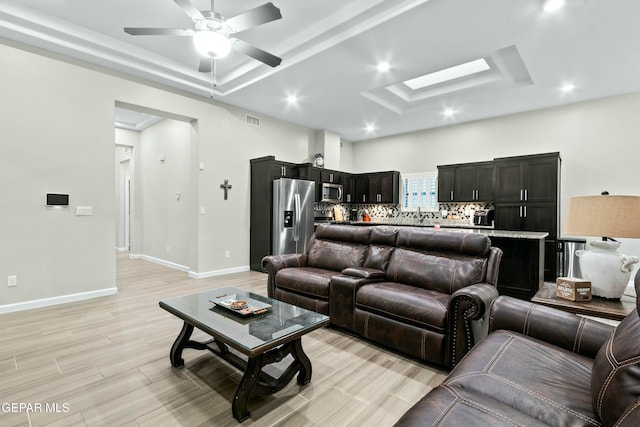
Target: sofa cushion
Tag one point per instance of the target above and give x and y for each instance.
(343, 233)
(306, 280)
(444, 241)
(510, 379)
(442, 273)
(378, 257)
(404, 303)
(615, 383)
(337, 256)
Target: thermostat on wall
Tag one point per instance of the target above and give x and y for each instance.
(57, 199)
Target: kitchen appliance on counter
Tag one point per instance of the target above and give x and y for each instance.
(322, 216)
(331, 193)
(483, 217)
(293, 215)
(353, 215)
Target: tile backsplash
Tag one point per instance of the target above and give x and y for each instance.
(381, 212)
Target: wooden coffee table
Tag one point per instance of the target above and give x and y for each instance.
(264, 338)
(597, 307)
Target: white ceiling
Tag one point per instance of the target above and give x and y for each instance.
(330, 49)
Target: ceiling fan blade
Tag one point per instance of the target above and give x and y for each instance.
(137, 31)
(256, 53)
(190, 9)
(205, 65)
(254, 17)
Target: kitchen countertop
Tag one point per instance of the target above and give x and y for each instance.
(458, 227)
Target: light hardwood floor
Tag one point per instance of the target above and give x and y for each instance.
(104, 362)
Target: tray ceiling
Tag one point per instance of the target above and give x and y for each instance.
(331, 48)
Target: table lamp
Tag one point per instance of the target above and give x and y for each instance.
(605, 216)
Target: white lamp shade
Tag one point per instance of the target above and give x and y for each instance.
(211, 44)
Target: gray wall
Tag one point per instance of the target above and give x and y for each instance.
(58, 136)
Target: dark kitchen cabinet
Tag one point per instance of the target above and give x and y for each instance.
(263, 171)
(361, 188)
(310, 173)
(384, 187)
(527, 178)
(332, 177)
(348, 188)
(527, 191)
(446, 183)
(468, 182)
(474, 183)
(527, 217)
(521, 268)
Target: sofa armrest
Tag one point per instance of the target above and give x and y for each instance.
(569, 331)
(364, 272)
(272, 263)
(466, 304)
(342, 302)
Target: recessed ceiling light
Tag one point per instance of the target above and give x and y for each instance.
(370, 127)
(568, 87)
(448, 74)
(383, 66)
(292, 99)
(553, 5)
(448, 112)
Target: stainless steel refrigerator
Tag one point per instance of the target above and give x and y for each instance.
(292, 215)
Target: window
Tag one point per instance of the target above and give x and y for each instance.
(420, 190)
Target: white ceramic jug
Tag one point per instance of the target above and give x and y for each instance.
(606, 268)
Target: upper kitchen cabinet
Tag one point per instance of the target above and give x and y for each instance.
(310, 173)
(469, 182)
(446, 183)
(384, 187)
(527, 178)
(332, 177)
(361, 188)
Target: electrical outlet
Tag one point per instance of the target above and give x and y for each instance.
(12, 281)
(84, 211)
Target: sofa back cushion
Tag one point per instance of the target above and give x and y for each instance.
(336, 247)
(442, 272)
(343, 233)
(442, 241)
(383, 240)
(615, 379)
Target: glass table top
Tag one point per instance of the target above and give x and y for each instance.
(279, 323)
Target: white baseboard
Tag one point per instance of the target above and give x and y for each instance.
(160, 261)
(125, 249)
(63, 299)
(192, 274)
(214, 273)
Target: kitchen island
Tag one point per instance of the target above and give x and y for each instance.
(522, 266)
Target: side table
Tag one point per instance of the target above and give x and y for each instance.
(597, 307)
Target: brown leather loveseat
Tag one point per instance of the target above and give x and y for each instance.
(539, 367)
(410, 288)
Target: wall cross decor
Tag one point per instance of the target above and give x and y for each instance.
(226, 187)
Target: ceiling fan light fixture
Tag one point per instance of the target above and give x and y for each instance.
(212, 44)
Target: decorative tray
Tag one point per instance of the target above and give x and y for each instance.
(241, 305)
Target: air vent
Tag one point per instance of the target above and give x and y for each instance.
(252, 120)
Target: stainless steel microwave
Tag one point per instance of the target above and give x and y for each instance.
(331, 193)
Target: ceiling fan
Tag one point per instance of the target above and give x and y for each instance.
(211, 32)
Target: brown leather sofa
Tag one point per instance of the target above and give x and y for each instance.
(410, 288)
(541, 366)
